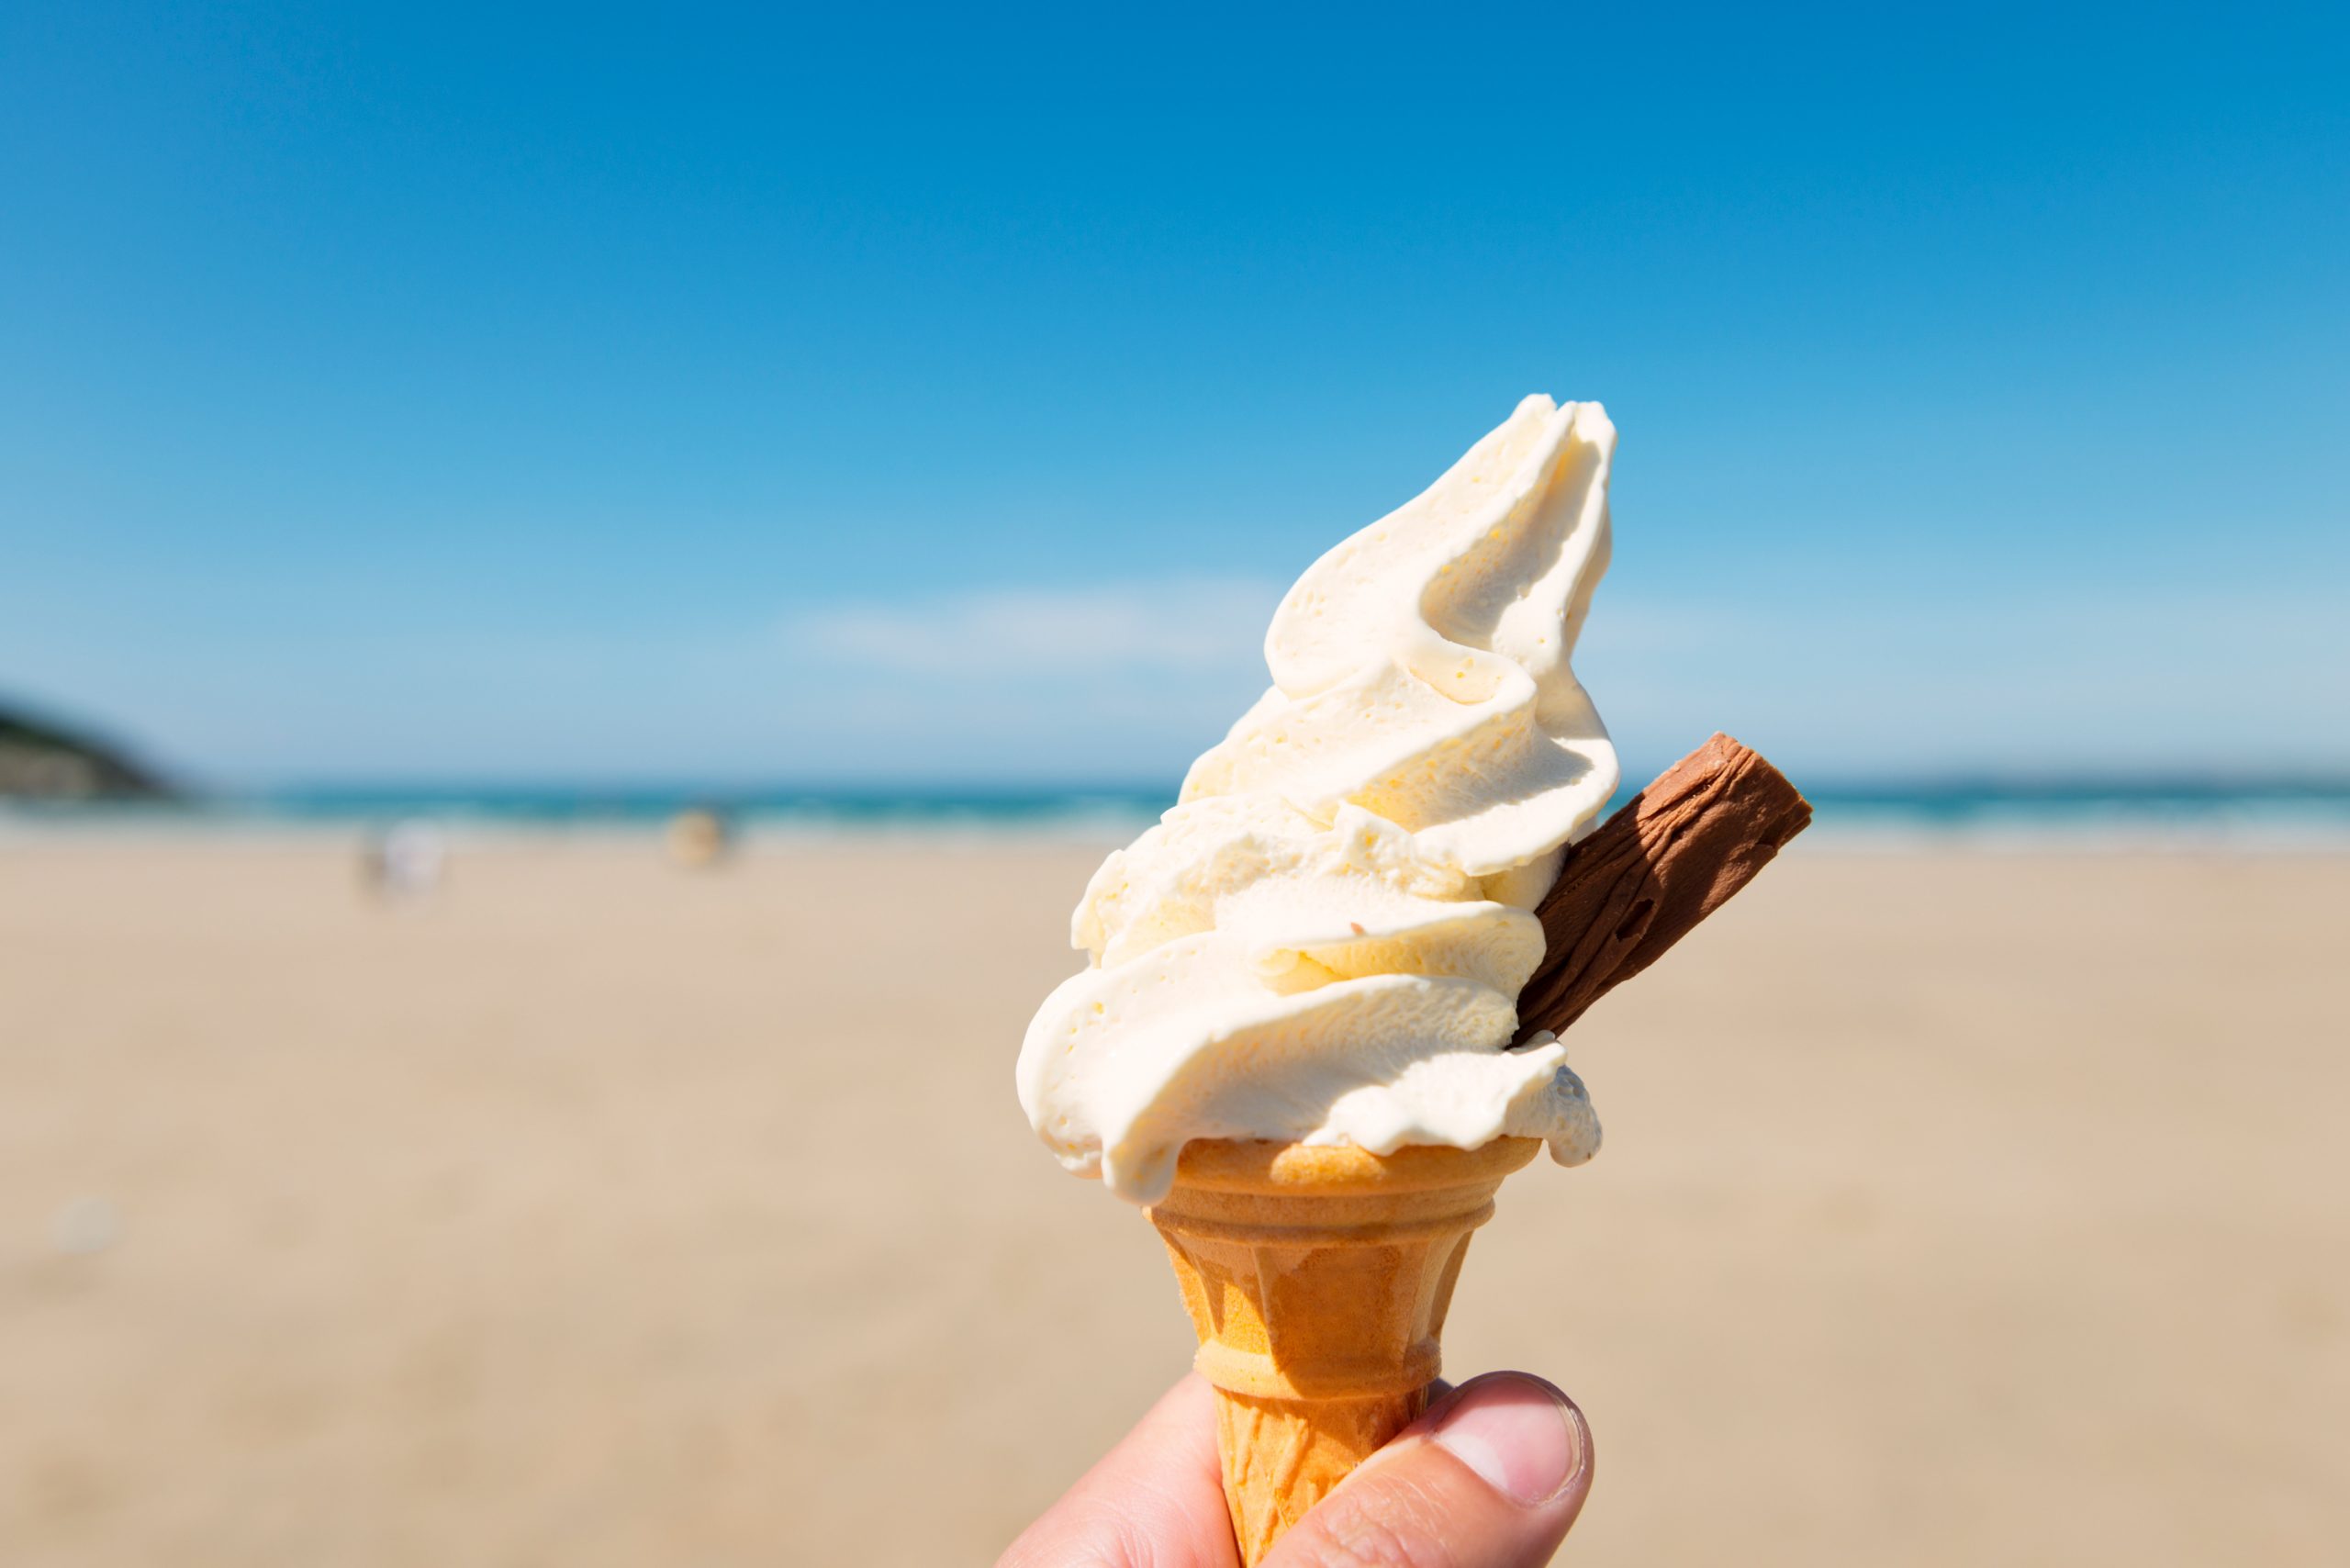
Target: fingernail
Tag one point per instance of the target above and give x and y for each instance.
(1522, 1435)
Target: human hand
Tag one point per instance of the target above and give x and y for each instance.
(1492, 1476)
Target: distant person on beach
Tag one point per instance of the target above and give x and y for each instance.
(404, 861)
(700, 837)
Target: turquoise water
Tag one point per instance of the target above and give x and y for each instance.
(2285, 811)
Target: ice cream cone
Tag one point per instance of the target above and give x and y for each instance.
(1317, 1280)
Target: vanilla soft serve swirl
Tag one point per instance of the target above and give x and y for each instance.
(1324, 942)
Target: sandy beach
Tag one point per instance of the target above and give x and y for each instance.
(1955, 1208)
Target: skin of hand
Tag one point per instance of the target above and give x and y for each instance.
(1492, 1476)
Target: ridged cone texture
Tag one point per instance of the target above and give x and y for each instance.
(1317, 1281)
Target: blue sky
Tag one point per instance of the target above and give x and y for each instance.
(473, 393)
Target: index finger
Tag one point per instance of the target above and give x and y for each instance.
(1155, 1501)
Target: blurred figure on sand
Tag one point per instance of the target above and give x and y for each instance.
(404, 862)
(700, 837)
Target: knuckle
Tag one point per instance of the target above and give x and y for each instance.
(1090, 1533)
(1393, 1525)
(1121, 1541)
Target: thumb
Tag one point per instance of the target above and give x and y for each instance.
(1491, 1477)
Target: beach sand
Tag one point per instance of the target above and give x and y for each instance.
(1954, 1209)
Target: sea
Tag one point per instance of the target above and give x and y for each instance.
(2277, 814)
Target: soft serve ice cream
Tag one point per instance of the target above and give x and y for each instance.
(1323, 941)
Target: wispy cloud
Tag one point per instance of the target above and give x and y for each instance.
(1129, 679)
(1123, 678)
(1201, 625)
(2034, 679)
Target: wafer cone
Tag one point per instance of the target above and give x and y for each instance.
(1317, 1280)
